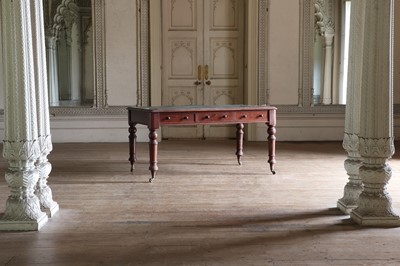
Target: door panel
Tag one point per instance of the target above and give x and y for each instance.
(182, 54)
(202, 59)
(225, 14)
(183, 14)
(223, 53)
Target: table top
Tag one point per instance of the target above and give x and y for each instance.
(202, 108)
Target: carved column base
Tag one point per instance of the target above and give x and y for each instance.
(52, 210)
(353, 188)
(374, 203)
(23, 211)
(47, 204)
(31, 225)
(349, 201)
(345, 207)
(43, 191)
(352, 191)
(384, 221)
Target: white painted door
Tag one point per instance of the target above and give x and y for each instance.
(202, 59)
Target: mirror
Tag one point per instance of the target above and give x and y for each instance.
(330, 51)
(69, 52)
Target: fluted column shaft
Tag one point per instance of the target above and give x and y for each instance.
(327, 89)
(376, 123)
(21, 146)
(52, 70)
(351, 142)
(42, 191)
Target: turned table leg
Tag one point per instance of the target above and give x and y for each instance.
(132, 144)
(153, 145)
(271, 147)
(239, 142)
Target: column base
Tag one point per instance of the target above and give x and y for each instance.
(346, 209)
(33, 225)
(52, 210)
(388, 221)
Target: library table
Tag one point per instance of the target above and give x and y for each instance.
(156, 116)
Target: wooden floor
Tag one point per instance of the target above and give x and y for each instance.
(202, 209)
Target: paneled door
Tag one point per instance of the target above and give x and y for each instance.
(202, 59)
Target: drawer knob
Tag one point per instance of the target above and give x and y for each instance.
(261, 115)
(224, 116)
(186, 118)
(168, 118)
(244, 116)
(207, 117)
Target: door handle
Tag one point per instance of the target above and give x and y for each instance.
(199, 72)
(206, 72)
(198, 82)
(208, 82)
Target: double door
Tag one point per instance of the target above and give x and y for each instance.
(202, 59)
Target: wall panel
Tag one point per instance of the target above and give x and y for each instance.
(121, 56)
(283, 52)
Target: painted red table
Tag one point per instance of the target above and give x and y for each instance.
(154, 117)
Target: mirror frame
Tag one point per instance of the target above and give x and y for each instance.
(100, 104)
(306, 68)
(100, 91)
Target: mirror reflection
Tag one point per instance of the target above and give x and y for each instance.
(69, 52)
(330, 50)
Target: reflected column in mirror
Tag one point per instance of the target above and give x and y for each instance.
(69, 46)
(330, 51)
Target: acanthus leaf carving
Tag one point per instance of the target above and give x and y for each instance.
(21, 151)
(376, 147)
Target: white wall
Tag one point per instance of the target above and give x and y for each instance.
(121, 70)
(93, 129)
(283, 51)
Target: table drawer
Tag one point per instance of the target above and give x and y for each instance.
(252, 116)
(177, 118)
(215, 117)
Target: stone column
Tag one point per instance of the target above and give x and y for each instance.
(351, 141)
(43, 191)
(327, 90)
(21, 147)
(376, 124)
(52, 70)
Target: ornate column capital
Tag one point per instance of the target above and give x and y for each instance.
(21, 154)
(351, 143)
(373, 149)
